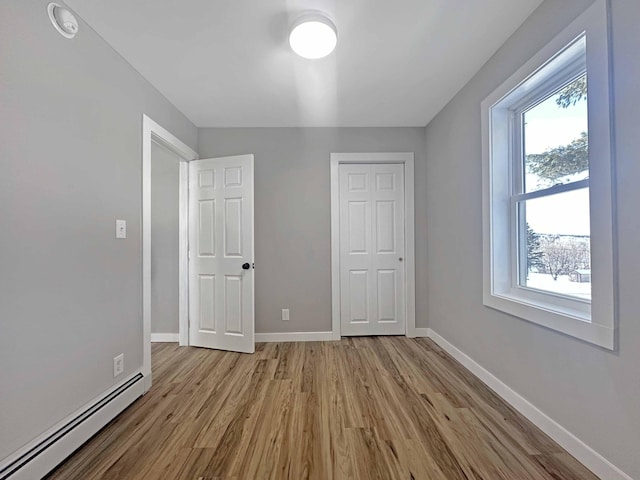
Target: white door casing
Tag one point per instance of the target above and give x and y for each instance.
(372, 249)
(153, 132)
(221, 246)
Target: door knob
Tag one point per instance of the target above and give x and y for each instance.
(246, 266)
(400, 259)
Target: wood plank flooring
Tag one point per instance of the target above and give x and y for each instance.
(360, 408)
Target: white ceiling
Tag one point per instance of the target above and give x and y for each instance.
(227, 63)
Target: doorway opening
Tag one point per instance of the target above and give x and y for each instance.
(168, 240)
(215, 247)
(152, 133)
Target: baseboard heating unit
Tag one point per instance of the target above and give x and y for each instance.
(44, 454)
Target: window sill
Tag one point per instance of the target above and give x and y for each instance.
(573, 323)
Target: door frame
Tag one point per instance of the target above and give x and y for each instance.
(153, 132)
(405, 158)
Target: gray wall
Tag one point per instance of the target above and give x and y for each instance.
(293, 213)
(592, 392)
(70, 157)
(165, 188)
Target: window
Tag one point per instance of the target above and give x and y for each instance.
(548, 237)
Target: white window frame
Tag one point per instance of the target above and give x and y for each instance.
(593, 321)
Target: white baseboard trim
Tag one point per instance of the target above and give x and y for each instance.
(572, 444)
(420, 332)
(165, 337)
(43, 454)
(295, 337)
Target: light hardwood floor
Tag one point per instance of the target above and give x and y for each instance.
(379, 408)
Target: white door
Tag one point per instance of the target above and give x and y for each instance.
(372, 269)
(221, 277)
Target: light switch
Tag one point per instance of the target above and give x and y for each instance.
(121, 229)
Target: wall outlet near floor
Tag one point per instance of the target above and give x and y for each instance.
(285, 314)
(118, 365)
(121, 229)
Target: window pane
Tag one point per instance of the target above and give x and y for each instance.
(555, 138)
(555, 243)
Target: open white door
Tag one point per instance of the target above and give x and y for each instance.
(221, 277)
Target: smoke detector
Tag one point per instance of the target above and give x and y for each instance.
(63, 20)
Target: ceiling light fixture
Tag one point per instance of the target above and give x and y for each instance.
(63, 20)
(313, 35)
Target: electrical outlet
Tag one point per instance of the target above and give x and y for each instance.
(121, 229)
(285, 314)
(118, 365)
